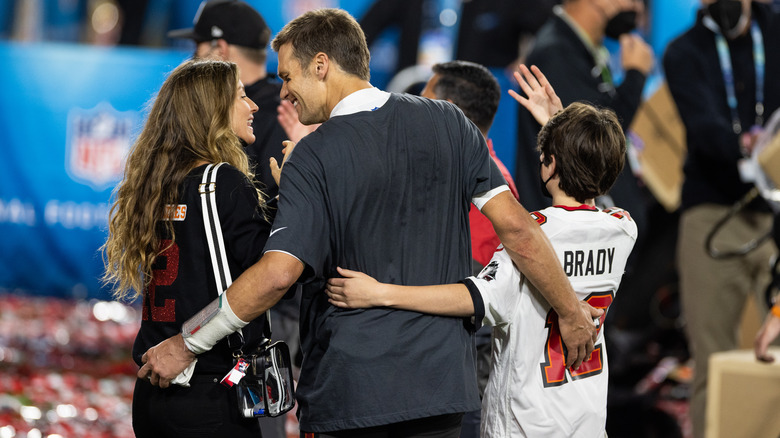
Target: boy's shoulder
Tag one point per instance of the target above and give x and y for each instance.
(557, 219)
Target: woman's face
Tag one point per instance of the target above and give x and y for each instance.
(241, 117)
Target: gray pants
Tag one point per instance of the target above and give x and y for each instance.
(713, 292)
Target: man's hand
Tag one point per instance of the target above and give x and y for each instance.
(165, 361)
(636, 54)
(748, 140)
(355, 291)
(768, 333)
(276, 169)
(579, 333)
(288, 118)
(542, 102)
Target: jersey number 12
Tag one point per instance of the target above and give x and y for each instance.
(162, 277)
(554, 368)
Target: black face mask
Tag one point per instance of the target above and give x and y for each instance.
(623, 22)
(726, 13)
(543, 183)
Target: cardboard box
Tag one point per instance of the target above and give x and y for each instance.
(743, 396)
(662, 149)
(769, 160)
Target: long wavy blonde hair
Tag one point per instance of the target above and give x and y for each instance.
(188, 123)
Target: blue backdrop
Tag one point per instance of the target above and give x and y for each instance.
(69, 113)
(67, 117)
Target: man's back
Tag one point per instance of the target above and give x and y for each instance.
(385, 192)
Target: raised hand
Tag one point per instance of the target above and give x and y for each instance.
(288, 118)
(636, 54)
(542, 102)
(276, 169)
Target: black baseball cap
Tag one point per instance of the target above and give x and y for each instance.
(231, 20)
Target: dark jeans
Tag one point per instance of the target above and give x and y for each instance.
(205, 409)
(442, 426)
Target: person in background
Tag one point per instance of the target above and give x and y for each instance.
(231, 30)
(570, 50)
(720, 76)
(476, 92)
(473, 89)
(384, 186)
(157, 245)
(492, 33)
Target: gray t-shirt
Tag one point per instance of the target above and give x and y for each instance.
(385, 192)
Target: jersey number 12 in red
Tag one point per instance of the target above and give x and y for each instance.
(554, 368)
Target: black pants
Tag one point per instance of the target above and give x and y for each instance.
(442, 426)
(205, 409)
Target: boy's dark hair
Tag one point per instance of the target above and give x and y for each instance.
(589, 149)
(471, 87)
(331, 31)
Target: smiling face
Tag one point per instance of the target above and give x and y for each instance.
(241, 116)
(302, 87)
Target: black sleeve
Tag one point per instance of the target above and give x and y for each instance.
(567, 72)
(696, 104)
(243, 226)
(479, 305)
(404, 14)
(481, 172)
(379, 16)
(628, 97)
(302, 226)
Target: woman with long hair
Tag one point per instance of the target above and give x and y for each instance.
(157, 247)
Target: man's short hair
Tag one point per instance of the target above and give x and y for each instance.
(331, 31)
(589, 149)
(471, 87)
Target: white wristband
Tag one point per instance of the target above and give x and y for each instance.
(210, 325)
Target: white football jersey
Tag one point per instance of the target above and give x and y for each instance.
(530, 393)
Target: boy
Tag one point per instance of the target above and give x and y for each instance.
(531, 391)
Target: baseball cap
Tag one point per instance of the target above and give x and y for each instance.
(231, 20)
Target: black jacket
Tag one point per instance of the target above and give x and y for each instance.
(696, 82)
(569, 66)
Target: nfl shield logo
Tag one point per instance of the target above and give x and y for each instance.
(97, 144)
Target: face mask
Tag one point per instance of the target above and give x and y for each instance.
(543, 183)
(728, 15)
(623, 22)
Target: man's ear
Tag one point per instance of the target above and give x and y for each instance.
(321, 65)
